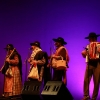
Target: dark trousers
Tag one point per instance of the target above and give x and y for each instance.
(95, 72)
(57, 75)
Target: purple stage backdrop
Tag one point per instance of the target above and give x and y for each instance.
(24, 21)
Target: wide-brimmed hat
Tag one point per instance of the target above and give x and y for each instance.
(9, 47)
(92, 35)
(61, 40)
(36, 43)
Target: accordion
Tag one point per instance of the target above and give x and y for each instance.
(93, 53)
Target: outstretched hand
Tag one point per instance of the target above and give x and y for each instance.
(84, 53)
(65, 81)
(0, 70)
(8, 60)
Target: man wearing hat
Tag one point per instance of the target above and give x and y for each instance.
(12, 80)
(39, 59)
(92, 55)
(61, 51)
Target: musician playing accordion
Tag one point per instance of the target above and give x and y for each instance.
(92, 55)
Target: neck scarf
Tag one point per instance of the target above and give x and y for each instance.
(35, 52)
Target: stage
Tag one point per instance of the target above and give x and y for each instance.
(19, 97)
(29, 97)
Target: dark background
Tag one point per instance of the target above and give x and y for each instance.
(24, 21)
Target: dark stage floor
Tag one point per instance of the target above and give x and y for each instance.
(31, 98)
(11, 98)
(20, 98)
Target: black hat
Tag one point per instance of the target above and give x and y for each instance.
(92, 35)
(60, 39)
(9, 47)
(36, 43)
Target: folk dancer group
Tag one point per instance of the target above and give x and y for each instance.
(39, 59)
(41, 63)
